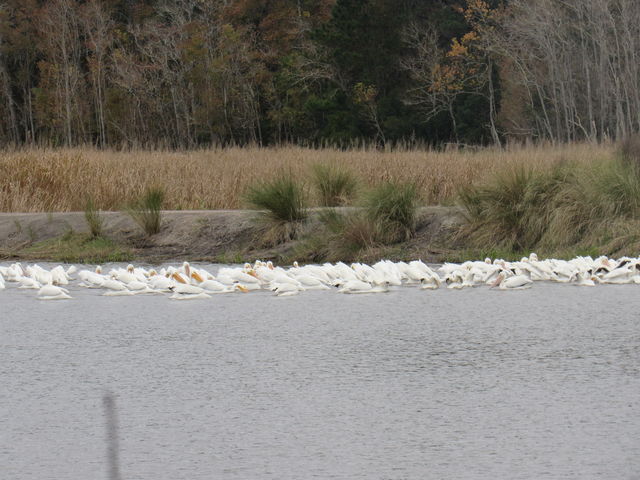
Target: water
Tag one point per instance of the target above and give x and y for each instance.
(473, 384)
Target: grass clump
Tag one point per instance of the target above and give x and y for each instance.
(282, 202)
(512, 211)
(629, 151)
(388, 217)
(392, 207)
(93, 218)
(147, 211)
(569, 207)
(334, 185)
(77, 248)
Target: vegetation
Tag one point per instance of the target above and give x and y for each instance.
(40, 180)
(77, 248)
(567, 207)
(188, 74)
(392, 205)
(334, 184)
(282, 201)
(147, 210)
(387, 218)
(93, 218)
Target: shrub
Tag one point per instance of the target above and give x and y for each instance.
(346, 235)
(335, 186)
(513, 210)
(147, 211)
(567, 206)
(93, 218)
(392, 206)
(282, 202)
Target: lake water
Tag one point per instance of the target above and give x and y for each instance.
(473, 384)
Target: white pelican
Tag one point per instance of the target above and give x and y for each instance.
(286, 290)
(51, 292)
(515, 282)
(189, 296)
(186, 289)
(358, 286)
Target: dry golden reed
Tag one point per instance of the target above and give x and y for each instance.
(37, 180)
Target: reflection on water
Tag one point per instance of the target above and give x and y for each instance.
(413, 384)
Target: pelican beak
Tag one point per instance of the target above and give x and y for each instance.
(178, 278)
(252, 273)
(497, 282)
(242, 288)
(197, 277)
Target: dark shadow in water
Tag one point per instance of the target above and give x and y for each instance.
(111, 416)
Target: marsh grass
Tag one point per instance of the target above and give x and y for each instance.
(392, 207)
(93, 218)
(629, 151)
(335, 185)
(77, 248)
(281, 201)
(387, 217)
(147, 210)
(567, 207)
(41, 180)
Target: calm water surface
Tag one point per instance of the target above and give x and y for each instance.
(473, 384)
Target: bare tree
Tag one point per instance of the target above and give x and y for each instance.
(98, 27)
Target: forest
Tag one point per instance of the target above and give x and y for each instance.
(183, 74)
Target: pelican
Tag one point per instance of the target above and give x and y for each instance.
(515, 282)
(186, 289)
(189, 296)
(286, 290)
(358, 286)
(51, 292)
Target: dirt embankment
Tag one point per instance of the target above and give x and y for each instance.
(204, 235)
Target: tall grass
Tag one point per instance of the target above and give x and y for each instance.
(335, 185)
(569, 205)
(93, 218)
(60, 180)
(147, 210)
(282, 202)
(388, 217)
(393, 206)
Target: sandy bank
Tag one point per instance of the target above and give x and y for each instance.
(206, 235)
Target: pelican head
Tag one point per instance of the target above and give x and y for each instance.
(178, 278)
(98, 269)
(187, 269)
(500, 278)
(130, 268)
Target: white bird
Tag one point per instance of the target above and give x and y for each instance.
(186, 289)
(286, 290)
(189, 296)
(515, 282)
(358, 286)
(51, 292)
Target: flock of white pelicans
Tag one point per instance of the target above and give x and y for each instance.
(189, 282)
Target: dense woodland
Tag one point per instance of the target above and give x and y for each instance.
(190, 73)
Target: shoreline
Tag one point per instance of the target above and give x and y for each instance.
(219, 236)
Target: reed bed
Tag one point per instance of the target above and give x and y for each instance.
(37, 180)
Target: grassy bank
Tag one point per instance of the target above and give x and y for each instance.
(559, 201)
(572, 206)
(62, 180)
